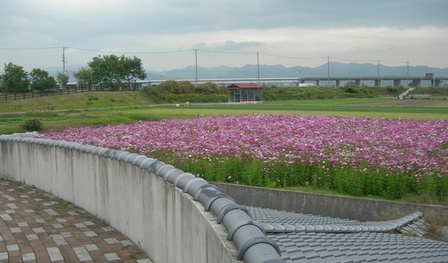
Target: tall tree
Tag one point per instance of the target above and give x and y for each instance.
(104, 71)
(62, 79)
(15, 78)
(41, 80)
(84, 77)
(112, 71)
(133, 68)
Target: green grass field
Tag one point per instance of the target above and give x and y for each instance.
(100, 108)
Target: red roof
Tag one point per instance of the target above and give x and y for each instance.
(245, 86)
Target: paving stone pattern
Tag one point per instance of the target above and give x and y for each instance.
(37, 227)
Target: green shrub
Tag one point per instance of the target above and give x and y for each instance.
(358, 180)
(32, 125)
(172, 91)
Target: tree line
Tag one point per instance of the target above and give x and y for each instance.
(110, 71)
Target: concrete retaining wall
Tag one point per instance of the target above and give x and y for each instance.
(328, 205)
(167, 223)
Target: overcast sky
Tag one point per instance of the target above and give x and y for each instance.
(166, 33)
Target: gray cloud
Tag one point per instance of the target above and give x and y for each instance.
(229, 46)
(289, 27)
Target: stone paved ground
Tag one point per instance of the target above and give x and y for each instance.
(37, 227)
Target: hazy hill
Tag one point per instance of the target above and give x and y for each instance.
(279, 71)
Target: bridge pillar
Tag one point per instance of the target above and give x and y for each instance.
(378, 83)
(417, 83)
(358, 82)
(397, 82)
(338, 82)
(438, 83)
(318, 82)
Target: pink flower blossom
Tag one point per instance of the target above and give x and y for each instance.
(417, 147)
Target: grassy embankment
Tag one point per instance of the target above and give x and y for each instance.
(99, 108)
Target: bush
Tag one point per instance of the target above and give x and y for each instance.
(354, 181)
(32, 125)
(274, 93)
(172, 91)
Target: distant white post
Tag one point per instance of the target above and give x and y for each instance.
(407, 73)
(258, 67)
(328, 71)
(196, 65)
(379, 81)
(63, 60)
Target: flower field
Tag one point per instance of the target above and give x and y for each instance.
(359, 156)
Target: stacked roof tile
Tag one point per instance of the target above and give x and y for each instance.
(314, 238)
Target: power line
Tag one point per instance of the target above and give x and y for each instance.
(290, 57)
(226, 52)
(131, 52)
(352, 60)
(30, 48)
(195, 50)
(394, 62)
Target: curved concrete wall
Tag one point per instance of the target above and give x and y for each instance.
(327, 205)
(173, 216)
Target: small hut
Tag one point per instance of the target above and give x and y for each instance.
(245, 93)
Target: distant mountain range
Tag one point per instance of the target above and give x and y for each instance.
(336, 69)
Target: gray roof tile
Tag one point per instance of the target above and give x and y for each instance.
(357, 247)
(313, 238)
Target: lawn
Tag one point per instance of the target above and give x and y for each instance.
(99, 108)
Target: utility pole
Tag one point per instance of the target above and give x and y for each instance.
(196, 63)
(258, 67)
(407, 73)
(64, 60)
(328, 71)
(379, 81)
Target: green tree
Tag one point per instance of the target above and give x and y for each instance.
(84, 77)
(15, 79)
(62, 79)
(100, 73)
(41, 80)
(111, 71)
(133, 68)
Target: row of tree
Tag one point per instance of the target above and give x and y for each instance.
(16, 79)
(109, 71)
